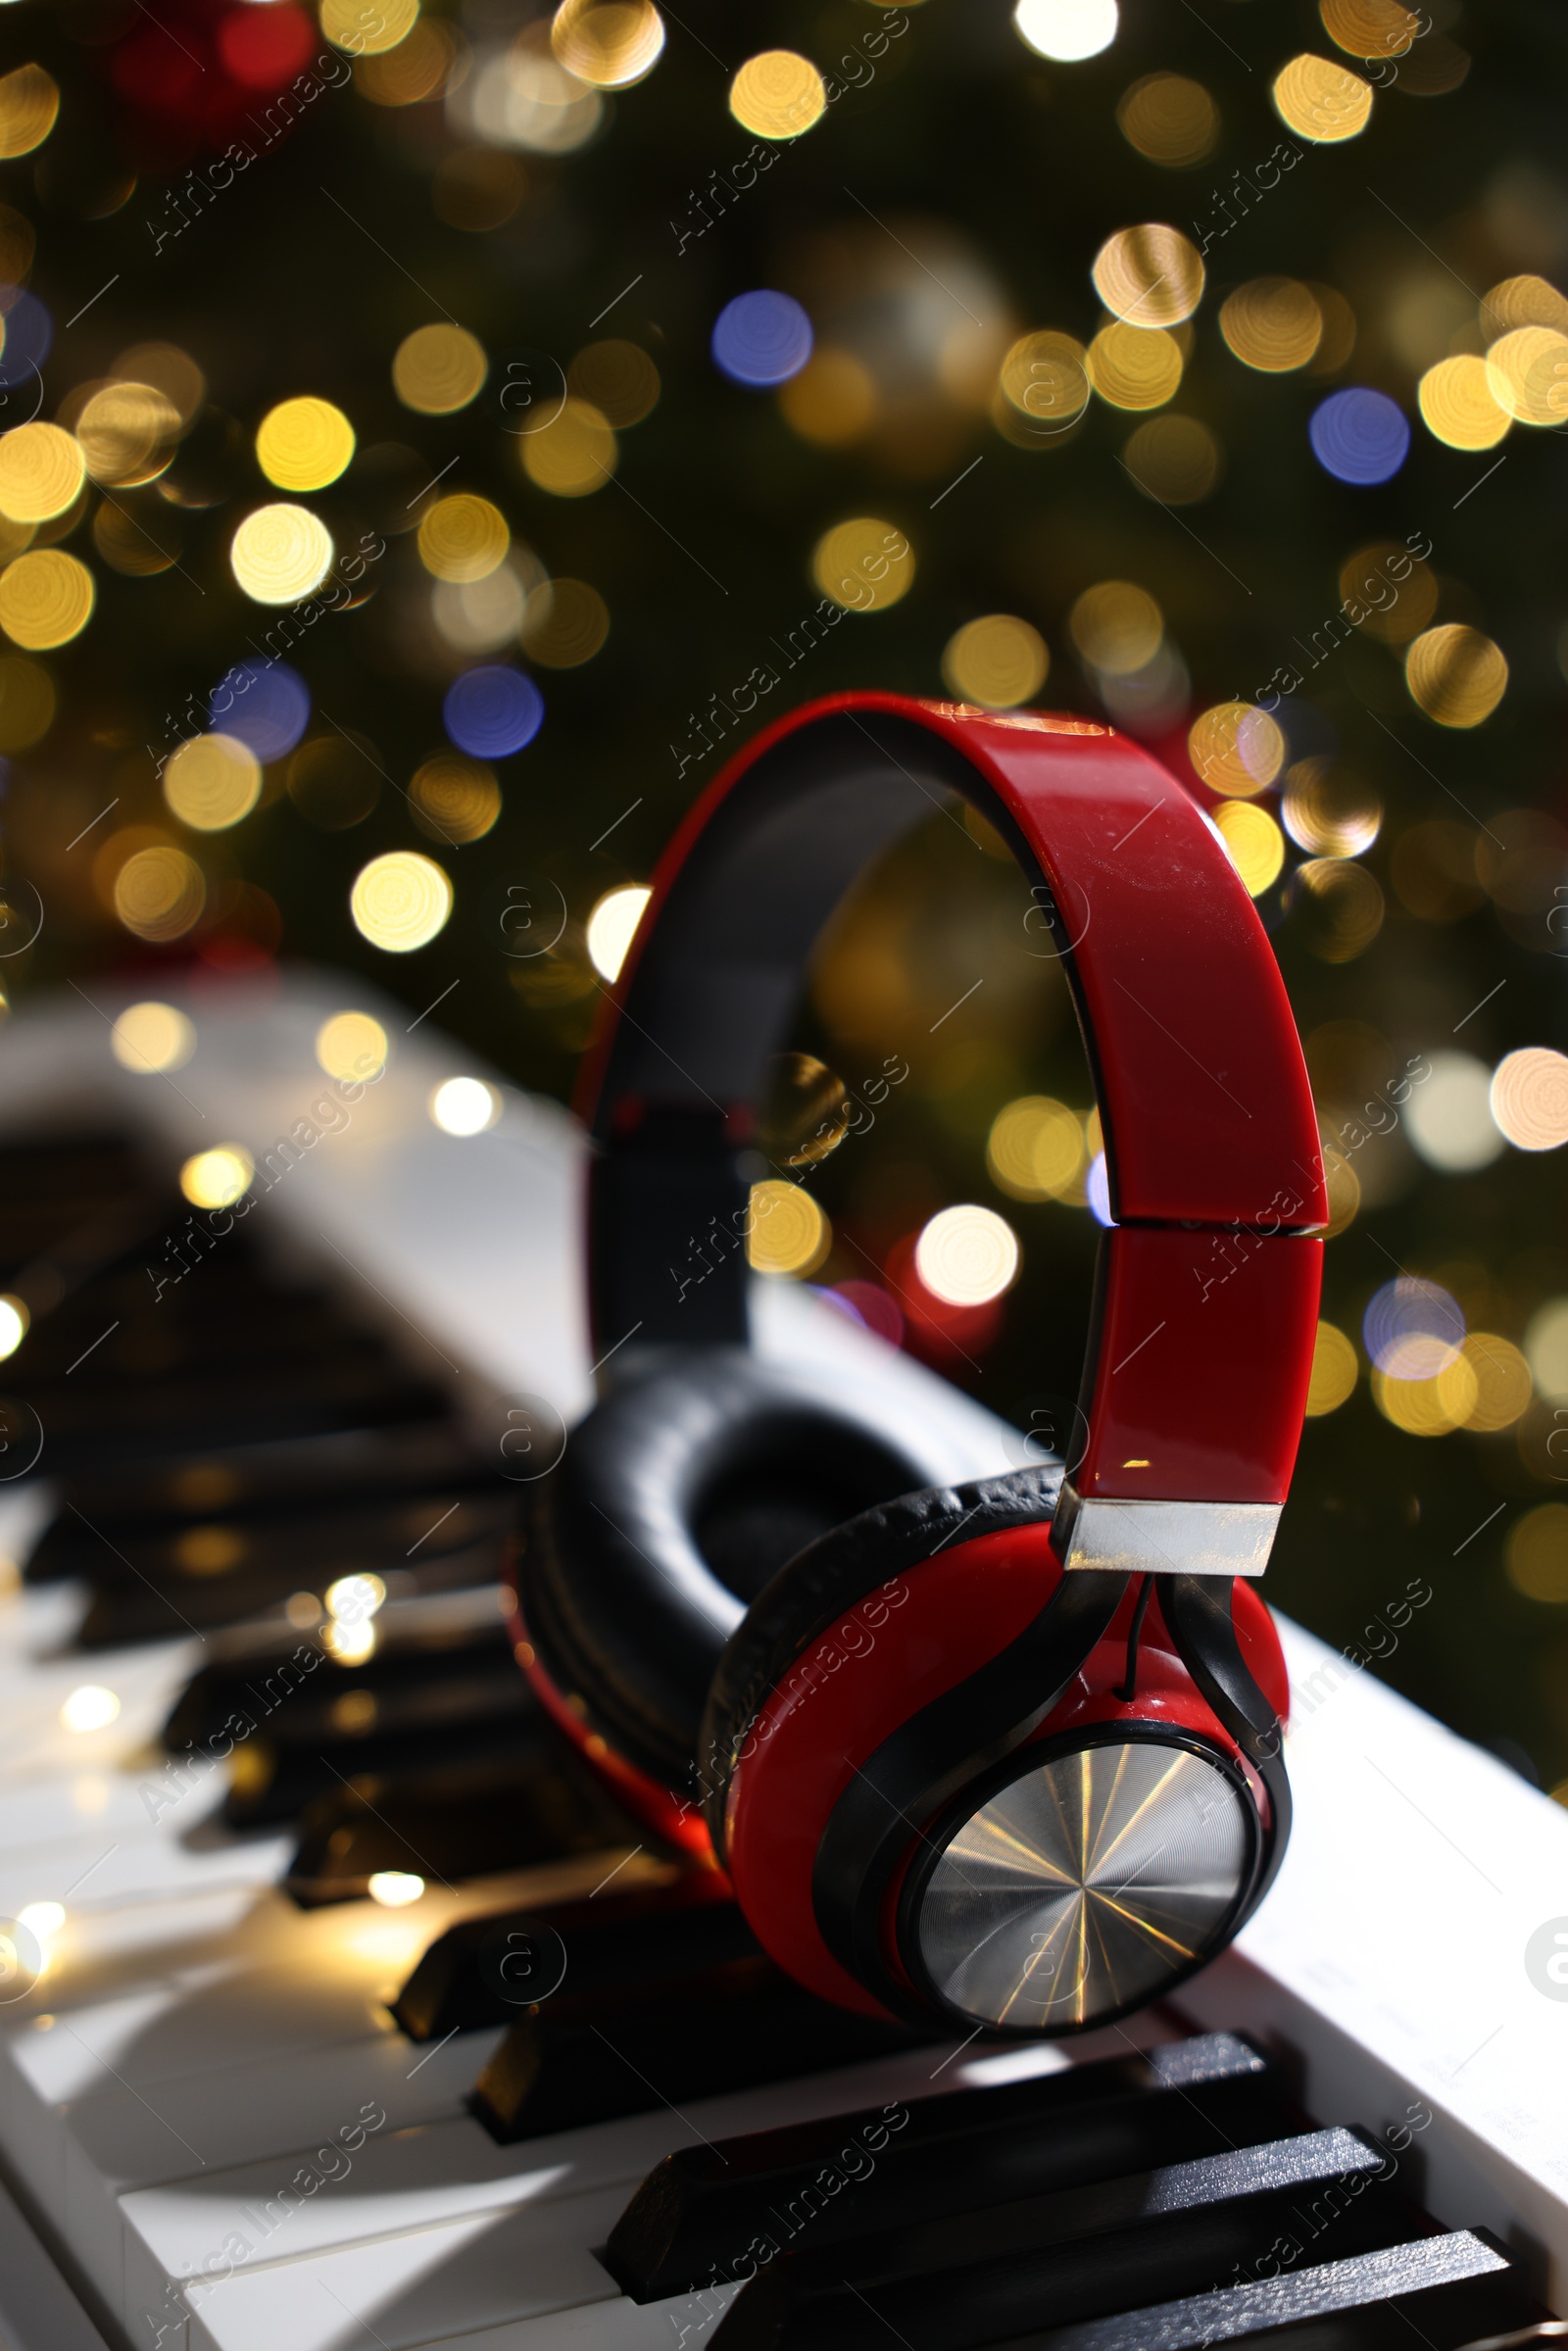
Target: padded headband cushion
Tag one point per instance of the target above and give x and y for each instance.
(841, 1567)
(676, 1502)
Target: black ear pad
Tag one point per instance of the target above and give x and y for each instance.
(822, 1585)
(676, 1500)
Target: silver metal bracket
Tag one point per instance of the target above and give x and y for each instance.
(1135, 1538)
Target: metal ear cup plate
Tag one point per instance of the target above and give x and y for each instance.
(1085, 1884)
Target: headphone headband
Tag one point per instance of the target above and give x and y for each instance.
(1206, 1300)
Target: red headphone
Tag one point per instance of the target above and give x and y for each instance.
(1008, 1752)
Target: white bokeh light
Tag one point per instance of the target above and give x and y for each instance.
(1066, 30)
(1449, 1115)
(612, 924)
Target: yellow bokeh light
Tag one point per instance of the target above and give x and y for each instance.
(26, 702)
(1427, 1408)
(832, 400)
(1530, 1099)
(865, 564)
(612, 925)
(617, 378)
(1175, 459)
(777, 94)
(1236, 749)
(352, 1046)
(1454, 674)
(1255, 841)
(1502, 1383)
(439, 370)
(1117, 626)
(1527, 374)
(967, 1255)
(1458, 405)
(216, 1178)
(29, 101)
(1272, 323)
(574, 455)
(1345, 906)
(1133, 366)
(91, 1707)
(168, 369)
(46, 597)
(368, 28)
(454, 798)
(1334, 1374)
(1169, 119)
(212, 782)
(44, 1919)
(464, 1106)
(353, 1599)
(400, 901)
(1537, 1554)
(127, 433)
(609, 43)
(1393, 598)
(160, 893)
(1320, 100)
(152, 1036)
(1370, 27)
(351, 1640)
(421, 67)
(997, 661)
(1328, 812)
(304, 444)
(395, 1890)
(1036, 1148)
(1045, 376)
(42, 473)
(1150, 277)
(14, 1321)
(464, 538)
(280, 553)
(1523, 302)
(786, 1232)
(565, 622)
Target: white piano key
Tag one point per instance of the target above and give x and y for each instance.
(414, 2288)
(116, 2139)
(38, 2311)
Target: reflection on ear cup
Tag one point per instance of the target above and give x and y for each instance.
(843, 1566)
(676, 1502)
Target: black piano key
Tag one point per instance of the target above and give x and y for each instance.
(614, 1944)
(1446, 2291)
(285, 1672)
(254, 1482)
(471, 1821)
(978, 2276)
(946, 2154)
(172, 1420)
(579, 2058)
(273, 1782)
(222, 1573)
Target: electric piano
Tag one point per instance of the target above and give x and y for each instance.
(337, 2009)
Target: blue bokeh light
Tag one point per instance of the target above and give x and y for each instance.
(264, 705)
(1360, 436)
(1413, 1328)
(492, 711)
(762, 339)
(29, 334)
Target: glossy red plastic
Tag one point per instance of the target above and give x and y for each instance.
(1202, 1091)
(1203, 1349)
(938, 1624)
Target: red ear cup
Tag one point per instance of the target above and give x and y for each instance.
(1112, 1851)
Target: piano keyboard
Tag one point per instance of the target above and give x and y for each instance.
(557, 2098)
